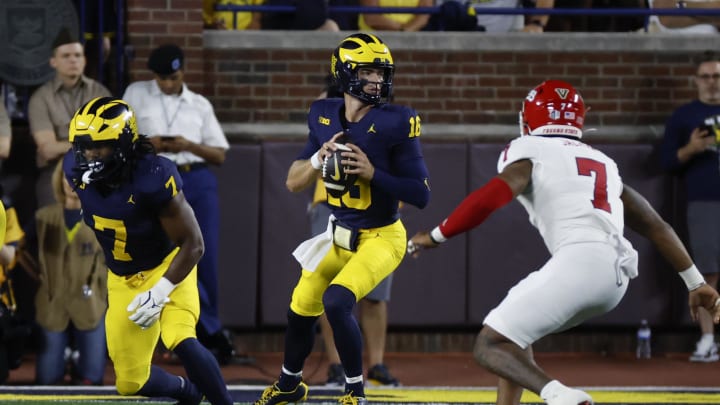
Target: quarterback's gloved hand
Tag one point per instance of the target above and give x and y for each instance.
(148, 305)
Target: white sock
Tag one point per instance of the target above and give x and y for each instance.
(353, 380)
(552, 389)
(708, 337)
(290, 373)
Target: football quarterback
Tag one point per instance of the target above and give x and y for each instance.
(365, 242)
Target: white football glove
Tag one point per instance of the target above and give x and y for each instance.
(148, 305)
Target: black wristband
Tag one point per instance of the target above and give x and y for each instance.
(433, 239)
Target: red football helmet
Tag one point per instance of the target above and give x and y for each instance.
(553, 108)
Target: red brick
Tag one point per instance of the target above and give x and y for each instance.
(498, 57)
(463, 57)
(148, 28)
(190, 27)
(532, 57)
(147, 4)
(618, 70)
(649, 70)
(169, 15)
(184, 4)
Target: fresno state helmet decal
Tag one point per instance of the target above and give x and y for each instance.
(563, 93)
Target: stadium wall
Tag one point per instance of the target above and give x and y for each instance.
(467, 88)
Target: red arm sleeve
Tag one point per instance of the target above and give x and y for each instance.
(477, 206)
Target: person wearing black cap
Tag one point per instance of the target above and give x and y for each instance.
(54, 103)
(183, 127)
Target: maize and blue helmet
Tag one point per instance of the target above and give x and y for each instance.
(103, 121)
(357, 51)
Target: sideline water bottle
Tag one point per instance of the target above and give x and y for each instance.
(643, 340)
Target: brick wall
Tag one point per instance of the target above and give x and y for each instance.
(151, 23)
(457, 87)
(450, 78)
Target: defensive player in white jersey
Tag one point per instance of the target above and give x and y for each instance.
(575, 197)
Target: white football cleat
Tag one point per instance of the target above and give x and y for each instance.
(571, 397)
(706, 351)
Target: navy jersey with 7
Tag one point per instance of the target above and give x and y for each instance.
(132, 239)
(389, 136)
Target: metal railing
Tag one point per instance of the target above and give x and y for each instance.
(118, 37)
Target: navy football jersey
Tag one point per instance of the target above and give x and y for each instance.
(389, 136)
(126, 221)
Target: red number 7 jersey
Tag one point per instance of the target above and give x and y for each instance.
(574, 191)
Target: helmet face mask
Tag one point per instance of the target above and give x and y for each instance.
(102, 134)
(553, 108)
(99, 160)
(363, 51)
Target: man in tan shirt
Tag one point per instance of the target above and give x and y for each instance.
(54, 103)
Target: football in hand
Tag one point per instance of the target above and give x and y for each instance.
(334, 175)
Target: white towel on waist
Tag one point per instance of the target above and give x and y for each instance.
(310, 252)
(627, 255)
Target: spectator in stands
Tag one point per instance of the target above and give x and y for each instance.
(5, 132)
(617, 23)
(72, 295)
(698, 24)
(231, 20)
(498, 23)
(182, 126)
(309, 15)
(596, 23)
(453, 16)
(690, 150)
(394, 21)
(345, 21)
(53, 104)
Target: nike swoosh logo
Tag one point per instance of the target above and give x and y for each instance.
(336, 174)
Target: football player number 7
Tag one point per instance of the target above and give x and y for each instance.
(117, 226)
(586, 167)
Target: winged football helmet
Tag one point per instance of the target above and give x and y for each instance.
(103, 122)
(362, 50)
